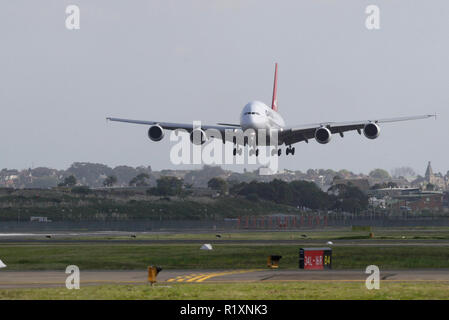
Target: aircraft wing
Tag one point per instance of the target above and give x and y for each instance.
(294, 134)
(173, 126)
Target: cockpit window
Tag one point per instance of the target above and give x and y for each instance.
(253, 113)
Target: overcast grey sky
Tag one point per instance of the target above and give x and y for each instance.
(204, 60)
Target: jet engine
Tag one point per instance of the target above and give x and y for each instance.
(156, 133)
(198, 137)
(371, 130)
(323, 135)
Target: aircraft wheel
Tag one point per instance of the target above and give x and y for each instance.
(293, 151)
(279, 152)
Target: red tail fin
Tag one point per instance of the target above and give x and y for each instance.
(274, 102)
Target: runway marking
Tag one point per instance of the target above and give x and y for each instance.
(183, 277)
(330, 280)
(195, 277)
(321, 281)
(225, 273)
(203, 277)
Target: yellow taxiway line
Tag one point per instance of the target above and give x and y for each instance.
(204, 276)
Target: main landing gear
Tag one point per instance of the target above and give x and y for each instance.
(253, 151)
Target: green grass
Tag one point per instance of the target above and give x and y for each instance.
(345, 233)
(234, 291)
(224, 256)
(58, 205)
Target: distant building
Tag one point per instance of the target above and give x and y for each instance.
(430, 178)
(393, 192)
(407, 199)
(446, 199)
(39, 219)
(431, 200)
(377, 203)
(362, 184)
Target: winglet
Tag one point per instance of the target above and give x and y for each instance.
(274, 102)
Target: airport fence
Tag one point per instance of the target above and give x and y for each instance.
(307, 221)
(273, 222)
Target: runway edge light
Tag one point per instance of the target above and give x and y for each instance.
(152, 273)
(273, 261)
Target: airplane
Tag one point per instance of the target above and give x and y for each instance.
(257, 115)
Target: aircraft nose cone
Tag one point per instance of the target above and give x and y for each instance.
(254, 122)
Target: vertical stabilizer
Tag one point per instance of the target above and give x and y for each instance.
(274, 102)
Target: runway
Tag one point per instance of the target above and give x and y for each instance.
(38, 279)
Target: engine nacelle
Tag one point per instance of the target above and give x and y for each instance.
(323, 135)
(198, 137)
(371, 130)
(156, 133)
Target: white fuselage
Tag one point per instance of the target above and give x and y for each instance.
(257, 115)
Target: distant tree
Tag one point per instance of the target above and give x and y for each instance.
(141, 180)
(89, 173)
(405, 172)
(391, 184)
(167, 186)
(124, 174)
(311, 173)
(345, 173)
(379, 174)
(110, 181)
(384, 185)
(296, 193)
(350, 199)
(43, 182)
(252, 197)
(336, 178)
(200, 178)
(218, 184)
(69, 181)
(83, 190)
(430, 187)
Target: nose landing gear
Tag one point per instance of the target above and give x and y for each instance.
(290, 150)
